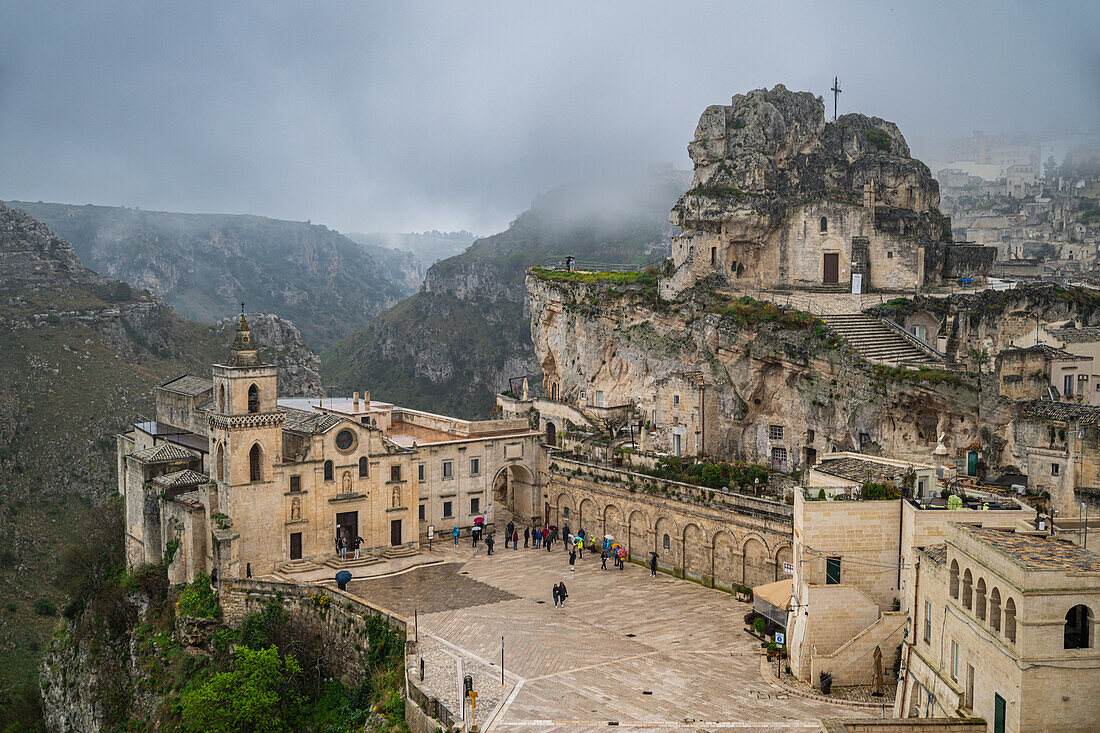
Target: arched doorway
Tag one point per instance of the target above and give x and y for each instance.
(515, 495)
(551, 434)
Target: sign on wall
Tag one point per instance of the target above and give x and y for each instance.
(788, 568)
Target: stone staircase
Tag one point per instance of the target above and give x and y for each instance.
(393, 552)
(298, 566)
(351, 562)
(878, 342)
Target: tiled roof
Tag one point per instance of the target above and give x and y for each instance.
(188, 385)
(1061, 412)
(309, 423)
(1036, 553)
(191, 498)
(936, 553)
(1076, 335)
(163, 452)
(1048, 352)
(179, 479)
(860, 470)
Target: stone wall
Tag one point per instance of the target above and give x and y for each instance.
(340, 620)
(722, 542)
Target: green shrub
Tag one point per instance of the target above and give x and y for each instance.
(758, 624)
(198, 599)
(45, 607)
(258, 693)
(878, 138)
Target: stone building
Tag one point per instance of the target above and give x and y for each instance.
(1003, 627)
(230, 480)
(782, 199)
(1042, 372)
(850, 554)
(718, 538)
(1057, 445)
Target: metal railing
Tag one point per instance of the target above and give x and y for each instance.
(572, 264)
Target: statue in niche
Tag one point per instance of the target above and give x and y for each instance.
(295, 509)
(396, 497)
(347, 482)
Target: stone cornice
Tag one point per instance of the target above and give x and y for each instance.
(247, 422)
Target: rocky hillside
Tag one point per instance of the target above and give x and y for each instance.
(771, 149)
(204, 264)
(454, 345)
(79, 355)
(428, 247)
(761, 364)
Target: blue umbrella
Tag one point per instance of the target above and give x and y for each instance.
(342, 579)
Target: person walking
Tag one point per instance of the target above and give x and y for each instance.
(511, 529)
(565, 536)
(358, 541)
(557, 595)
(653, 564)
(580, 547)
(489, 542)
(572, 560)
(526, 536)
(454, 533)
(515, 539)
(603, 560)
(622, 559)
(562, 594)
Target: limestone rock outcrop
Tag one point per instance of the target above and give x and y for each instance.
(771, 149)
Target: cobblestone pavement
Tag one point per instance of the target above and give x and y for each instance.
(657, 654)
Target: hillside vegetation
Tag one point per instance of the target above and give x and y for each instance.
(79, 356)
(205, 264)
(454, 345)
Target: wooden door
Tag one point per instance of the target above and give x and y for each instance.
(296, 546)
(395, 532)
(832, 268)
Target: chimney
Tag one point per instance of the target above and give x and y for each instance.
(355, 402)
(366, 400)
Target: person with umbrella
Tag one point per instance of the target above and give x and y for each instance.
(358, 541)
(653, 564)
(342, 579)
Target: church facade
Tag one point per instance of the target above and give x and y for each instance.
(231, 480)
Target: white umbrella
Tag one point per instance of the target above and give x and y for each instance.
(608, 537)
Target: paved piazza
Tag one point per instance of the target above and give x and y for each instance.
(657, 654)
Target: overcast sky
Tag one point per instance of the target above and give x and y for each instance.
(397, 116)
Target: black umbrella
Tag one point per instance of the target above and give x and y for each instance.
(342, 579)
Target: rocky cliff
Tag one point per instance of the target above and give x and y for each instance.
(454, 345)
(79, 355)
(204, 264)
(771, 149)
(761, 365)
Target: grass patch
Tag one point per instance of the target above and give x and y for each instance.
(878, 138)
(747, 311)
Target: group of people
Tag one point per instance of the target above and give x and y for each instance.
(343, 543)
(546, 536)
(560, 594)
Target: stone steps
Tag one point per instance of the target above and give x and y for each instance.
(363, 561)
(394, 552)
(876, 341)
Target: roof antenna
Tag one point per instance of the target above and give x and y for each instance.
(242, 302)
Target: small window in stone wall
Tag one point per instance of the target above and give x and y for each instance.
(666, 542)
(775, 432)
(889, 255)
(295, 483)
(823, 225)
(420, 472)
(1054, 469)
(395, 473)
(475, 505)
(421, 512)
(447, 509)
